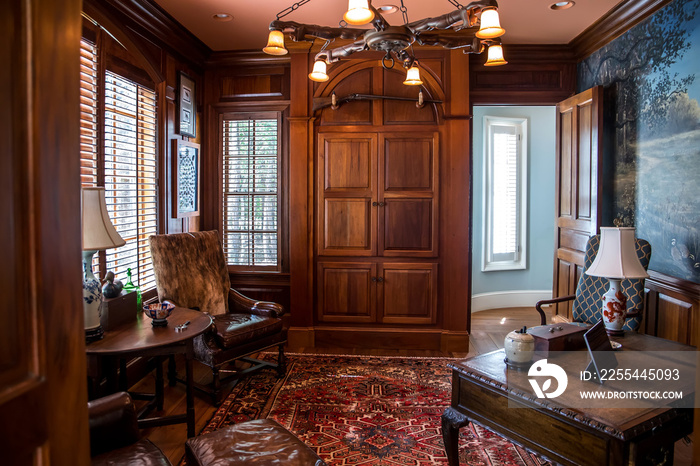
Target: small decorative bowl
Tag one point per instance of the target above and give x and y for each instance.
(159, 312)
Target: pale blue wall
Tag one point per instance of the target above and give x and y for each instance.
(541, 159)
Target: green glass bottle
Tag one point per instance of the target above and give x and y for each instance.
(129, 287)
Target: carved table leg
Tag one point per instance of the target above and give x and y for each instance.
(452, 421)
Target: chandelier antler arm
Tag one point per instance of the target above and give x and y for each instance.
(334, 55)
(299, 31)
(466, 15)
(379, 23)
(469, 42)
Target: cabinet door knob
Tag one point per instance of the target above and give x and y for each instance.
(380, 279)
(375, 204)
(381, 204)
(374, 279)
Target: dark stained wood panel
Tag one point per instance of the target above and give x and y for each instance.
(587, 162)
(349, 163)
(408, 293)
(408, 164)
(565, 163)
(351, 113)
(347, 226)
(407, 225)
(270, 82)
(347, 292)
(672, 308)
(400, 112)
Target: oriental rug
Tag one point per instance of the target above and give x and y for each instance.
(361, 410)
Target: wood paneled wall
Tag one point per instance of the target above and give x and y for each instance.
(161, 48)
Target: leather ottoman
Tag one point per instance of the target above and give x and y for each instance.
(261, 442)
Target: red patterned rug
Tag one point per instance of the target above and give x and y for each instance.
(365, 411)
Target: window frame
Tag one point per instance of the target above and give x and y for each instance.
(278, 112)
(98, 40)
(519, 262)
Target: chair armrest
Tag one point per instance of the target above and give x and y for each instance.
(240, 303)
(560, 299)
(113, 423)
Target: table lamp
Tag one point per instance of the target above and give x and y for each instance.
(616, 260)
(98, 234)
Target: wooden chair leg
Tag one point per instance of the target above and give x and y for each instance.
(172, 371)
(215, 385)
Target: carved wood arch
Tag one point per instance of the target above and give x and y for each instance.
(375, 79)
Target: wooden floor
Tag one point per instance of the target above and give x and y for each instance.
(489, 329)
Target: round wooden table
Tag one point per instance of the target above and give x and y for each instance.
(140, 338)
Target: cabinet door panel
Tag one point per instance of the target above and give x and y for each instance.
(348, 227)
(346, 292)
(408, 163)
(408, 293)
(348, 164)
(408, 227)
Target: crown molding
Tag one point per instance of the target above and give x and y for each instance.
(616, 22)
(147, 19)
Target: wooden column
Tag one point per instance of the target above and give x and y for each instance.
(300, 205)
(455, 195)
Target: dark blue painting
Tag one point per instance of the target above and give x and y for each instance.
(652, 133)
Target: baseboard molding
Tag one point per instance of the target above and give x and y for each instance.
(501, 299)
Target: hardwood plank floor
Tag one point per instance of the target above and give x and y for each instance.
(489, 329)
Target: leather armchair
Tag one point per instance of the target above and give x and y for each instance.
(114, 434)
(590, 290)
(190, 271)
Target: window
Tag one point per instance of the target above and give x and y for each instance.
(251, 196)
(505, 200)
(118, 150)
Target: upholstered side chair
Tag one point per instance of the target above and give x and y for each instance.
(590, 290)
(190, 271)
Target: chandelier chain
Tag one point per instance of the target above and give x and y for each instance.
(456, 4)
(404, 12)
(292, 8)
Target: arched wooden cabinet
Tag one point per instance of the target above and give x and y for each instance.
(377, 207)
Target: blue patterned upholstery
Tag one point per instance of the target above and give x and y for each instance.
(590, 290)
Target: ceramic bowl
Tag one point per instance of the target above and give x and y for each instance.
(159, 312)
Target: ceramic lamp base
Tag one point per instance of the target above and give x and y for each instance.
(614, 308)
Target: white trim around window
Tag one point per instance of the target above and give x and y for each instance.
(505, 194)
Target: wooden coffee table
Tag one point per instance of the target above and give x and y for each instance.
(140, 338)
(485, 391)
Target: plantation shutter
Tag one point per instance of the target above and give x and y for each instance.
(251, 191)
(130, 175)
(88, 113)
(505, 193)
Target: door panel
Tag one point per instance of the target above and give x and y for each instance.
(347, 184)
(407, 227)
(578, 188)
(408, 194)
(347, 292)
(408, 293)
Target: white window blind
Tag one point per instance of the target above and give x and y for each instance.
(505, 180)
(251, 191)
(88, 113)
(130, 175)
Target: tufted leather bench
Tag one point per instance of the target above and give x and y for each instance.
(262, 442)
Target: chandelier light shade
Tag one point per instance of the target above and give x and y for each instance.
(495, 56)
(490, 25)
(275, 44)
(616, 260)
(358, 13)
(471, 28)
(413, 77)
(319, 72)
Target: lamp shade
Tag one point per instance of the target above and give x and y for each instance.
(358, 12)
(98, 231)
(413, 77)
(617, 255)
(275, 43)
(490, 25)
(495, 56)
(318, 74)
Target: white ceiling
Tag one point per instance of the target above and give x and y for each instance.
(525, 21)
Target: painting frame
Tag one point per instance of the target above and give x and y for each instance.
(186, 159)
(187, 100)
